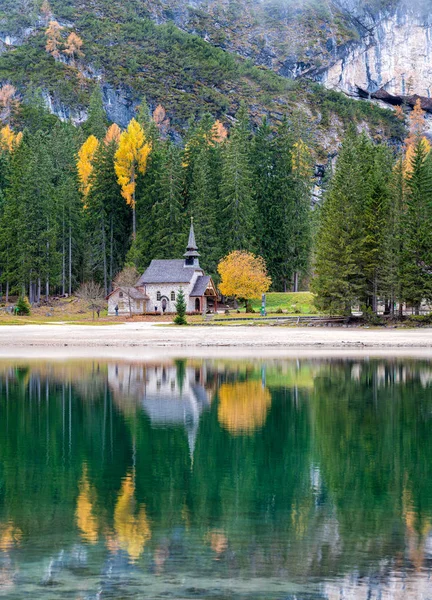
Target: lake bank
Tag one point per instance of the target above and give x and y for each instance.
(144, 340)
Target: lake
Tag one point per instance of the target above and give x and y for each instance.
(216, 479)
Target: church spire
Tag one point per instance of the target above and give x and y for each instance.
(191, 255)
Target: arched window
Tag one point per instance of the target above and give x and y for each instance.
(173, 296)
(120, 294)
(158, 295)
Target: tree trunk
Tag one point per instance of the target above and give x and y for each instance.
(7, 290)
(38, 290)
(296, 281)
(70, 259)
(64, 269)
(133, 206)
(111, 267)
(105, 274)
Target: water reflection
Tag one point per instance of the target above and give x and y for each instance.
(216, 479)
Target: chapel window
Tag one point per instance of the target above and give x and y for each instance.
(158, 295)
(173, 296)
(120, 294)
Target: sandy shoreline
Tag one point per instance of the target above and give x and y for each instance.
(140, 341)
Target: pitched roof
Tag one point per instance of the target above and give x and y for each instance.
(167, 271)
(130, 291)
(200, 286)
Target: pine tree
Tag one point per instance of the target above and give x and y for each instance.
(391, 273)
(180, 318)
(417, 248)
(22, 307)
(168, 215)
(68, 212)
(202, 162)
(339, 280)
(377, 164)
(237, 192)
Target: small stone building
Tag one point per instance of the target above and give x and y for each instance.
(127, 299)
(163, 279)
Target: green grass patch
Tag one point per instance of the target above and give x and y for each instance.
(291, 303)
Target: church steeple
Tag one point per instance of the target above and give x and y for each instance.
(191, 255)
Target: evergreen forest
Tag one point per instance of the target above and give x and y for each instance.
(80, 203)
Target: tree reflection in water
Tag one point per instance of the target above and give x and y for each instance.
(239, 478)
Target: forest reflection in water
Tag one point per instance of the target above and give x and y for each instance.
(216, 479)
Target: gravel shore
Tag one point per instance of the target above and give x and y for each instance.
(144, 340)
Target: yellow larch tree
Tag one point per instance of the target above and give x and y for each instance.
(85, 161)
(112, 135)
(243, 276)
(219, 133)
(73, 47)
(417, 129)
(9, 140)
(131, 159)
(54, 41)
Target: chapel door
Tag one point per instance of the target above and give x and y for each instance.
(164, 304)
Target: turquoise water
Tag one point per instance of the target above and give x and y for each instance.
(288, 480)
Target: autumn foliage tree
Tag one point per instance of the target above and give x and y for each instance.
(73, 47)
(243, 276)
(8, 101)
(53, 38)
(131, 159)
(86, 156)
(9, 140)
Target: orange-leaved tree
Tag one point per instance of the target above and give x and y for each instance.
(85, 161)
(112, 135)
(131, 159)
(54, 41)
(417, 130)
(73, 47)
(243, 276)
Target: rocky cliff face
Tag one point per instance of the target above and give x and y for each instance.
(360, 47)
(395, 55)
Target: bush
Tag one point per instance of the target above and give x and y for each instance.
(22, 306)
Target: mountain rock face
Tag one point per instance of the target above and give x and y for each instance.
(395, 55)
(356, 46)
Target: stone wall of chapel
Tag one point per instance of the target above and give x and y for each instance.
(165, 289)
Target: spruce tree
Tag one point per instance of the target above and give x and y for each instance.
(237, 191)
(22, 307)
(417, 247)
(168, 214)
(339, 280)
(180, 318)
(97, 122)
